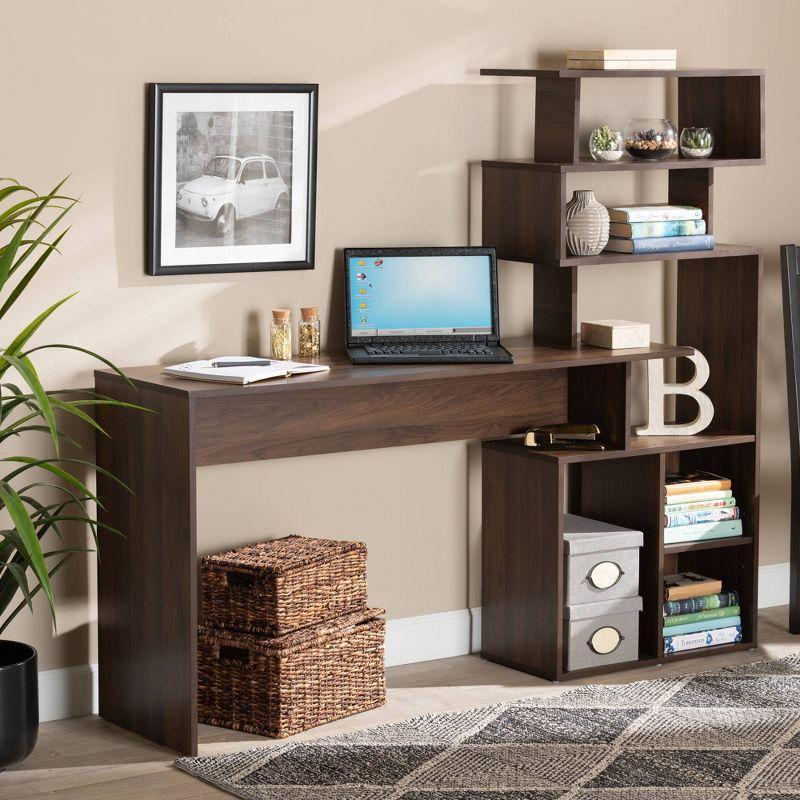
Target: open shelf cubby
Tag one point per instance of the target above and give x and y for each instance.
(526, 493)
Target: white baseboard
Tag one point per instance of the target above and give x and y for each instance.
(72, 691)
(773, 585)
(67, 692)
(428, 637)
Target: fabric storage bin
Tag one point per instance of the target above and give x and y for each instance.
(602, 560)
(606, 632)
(275, 587)
(281, 686)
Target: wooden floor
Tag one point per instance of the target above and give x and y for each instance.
(89, 759)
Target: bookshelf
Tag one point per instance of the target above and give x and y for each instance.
(717, 311)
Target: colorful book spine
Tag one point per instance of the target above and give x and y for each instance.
(703, 603)
(703, 625)
(653, 213)
(699, 497)
(703, 531)
(675, 520)
(647, 230)
(702, 505)
(693, 641)
(700, 616)
(661, 244)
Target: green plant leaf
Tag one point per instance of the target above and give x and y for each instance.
(28, 372)
(32, 550)
(7, 621)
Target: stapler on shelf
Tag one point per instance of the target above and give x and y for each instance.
(565, 436)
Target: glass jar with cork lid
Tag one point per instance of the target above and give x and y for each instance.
(309, 338)
(280, 334)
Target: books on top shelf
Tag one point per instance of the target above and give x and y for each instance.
(660, 244)
(602, 58)
(656, 228)
(697, 613)
(649, 230)
(653, 212)
(699, 506)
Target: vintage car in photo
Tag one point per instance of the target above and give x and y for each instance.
(232, 188)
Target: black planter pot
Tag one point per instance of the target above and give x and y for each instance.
(19, 702)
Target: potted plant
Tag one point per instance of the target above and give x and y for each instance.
(605, 144)
(38, 495)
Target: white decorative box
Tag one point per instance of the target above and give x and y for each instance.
(615, 334)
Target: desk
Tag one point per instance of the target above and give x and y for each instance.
(147, 580)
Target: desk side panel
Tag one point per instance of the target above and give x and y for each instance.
(367, 416)
(147, 577)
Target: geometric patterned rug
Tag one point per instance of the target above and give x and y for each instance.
(732, 734)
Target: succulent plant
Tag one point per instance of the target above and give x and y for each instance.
(697, 138)
(604, 138)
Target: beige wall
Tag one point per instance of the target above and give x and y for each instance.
(404, 120)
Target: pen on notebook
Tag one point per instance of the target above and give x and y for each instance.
(261, 363)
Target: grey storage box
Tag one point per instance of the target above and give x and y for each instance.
(602, 560)
(602, 633)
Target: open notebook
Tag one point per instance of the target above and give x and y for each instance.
(206, 371)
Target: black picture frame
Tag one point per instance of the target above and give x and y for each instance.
(156, 92)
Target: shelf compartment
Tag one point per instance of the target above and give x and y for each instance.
(584, 164)
(710, 544)
(603, 259)
(639, 446)
(622, 73)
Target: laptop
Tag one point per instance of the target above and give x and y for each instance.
(422, 305)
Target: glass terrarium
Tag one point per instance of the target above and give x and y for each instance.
(650, 139)
(697, 142)
(605, 144)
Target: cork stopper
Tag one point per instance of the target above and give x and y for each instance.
(281, 315)
(309, 312)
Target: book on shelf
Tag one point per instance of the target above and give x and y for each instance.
(604, 58)
(699, 497)
(625, 54)
(703, 531)
(678, 519)
(702, 625)
(693, 641)
(698, 505)
(241, 369)
(660, 244)
(690, 584)
(654, 212)
(697, 481)
(620, 63)
(706, 602)
(649, 230)
(671, 620)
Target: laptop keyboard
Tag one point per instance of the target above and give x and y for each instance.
(437, 349)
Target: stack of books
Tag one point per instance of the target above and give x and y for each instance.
(655, 228)
(698, 613)
(699, 506)
(603, 58)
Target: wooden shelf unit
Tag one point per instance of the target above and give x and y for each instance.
(525, 493)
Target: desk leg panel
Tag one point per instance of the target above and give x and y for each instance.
(147, 578)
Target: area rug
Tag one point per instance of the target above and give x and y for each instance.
(732, 734)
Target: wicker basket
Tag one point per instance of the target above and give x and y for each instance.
(279, 687)
(276, 587)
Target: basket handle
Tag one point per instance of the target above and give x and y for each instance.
(228, 654)
(240, 580)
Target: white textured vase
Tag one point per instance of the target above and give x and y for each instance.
(587, 224)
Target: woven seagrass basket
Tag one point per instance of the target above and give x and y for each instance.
(276, 587)
(281, 686)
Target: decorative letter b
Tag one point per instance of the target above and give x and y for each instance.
(657, 389)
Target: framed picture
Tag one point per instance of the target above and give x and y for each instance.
(232, 177)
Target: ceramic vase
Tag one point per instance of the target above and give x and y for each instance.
(587, 224)
(19, 702)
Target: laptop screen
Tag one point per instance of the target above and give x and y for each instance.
(420, 295)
